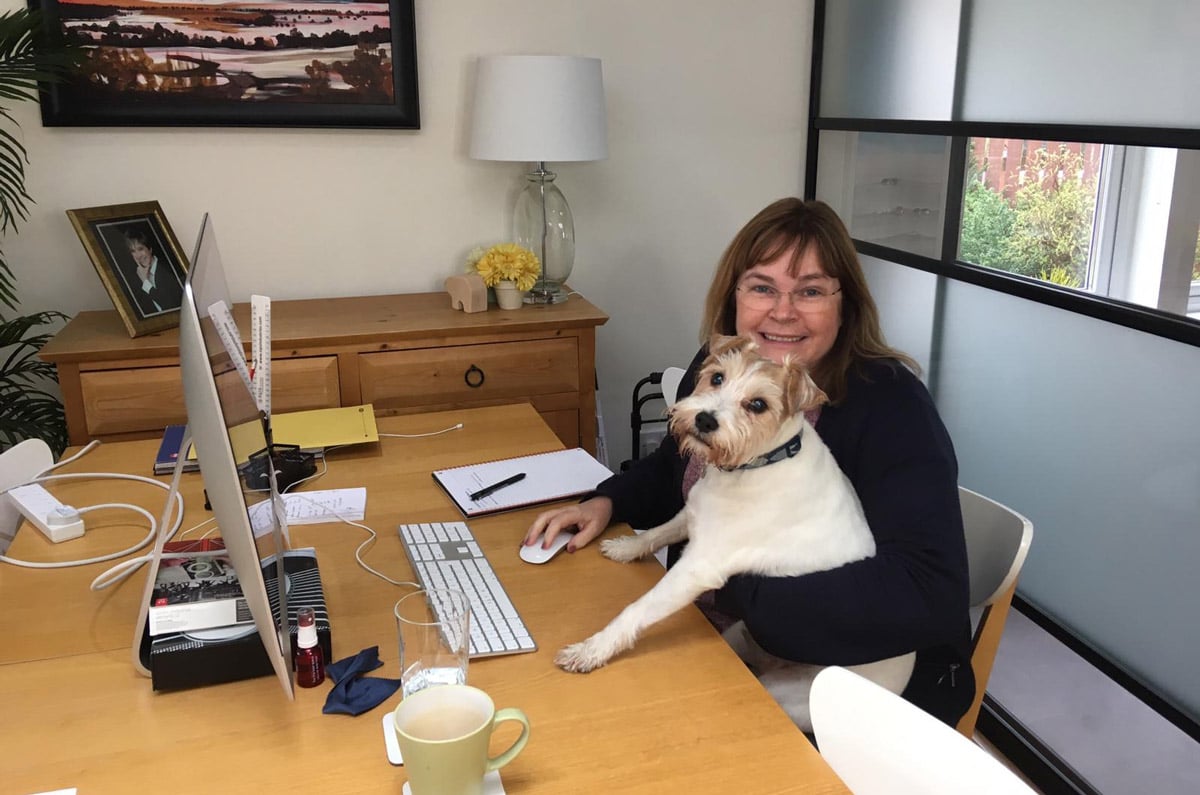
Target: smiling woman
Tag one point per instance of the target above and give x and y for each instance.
(789, 307)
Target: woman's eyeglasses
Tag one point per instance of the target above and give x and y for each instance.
(809, 298)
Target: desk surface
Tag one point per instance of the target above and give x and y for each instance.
(679, 713)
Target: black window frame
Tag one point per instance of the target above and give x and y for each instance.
(1123, 313)
(1171, 326)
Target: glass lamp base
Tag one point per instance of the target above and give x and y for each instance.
(543, 224)
(546, 294)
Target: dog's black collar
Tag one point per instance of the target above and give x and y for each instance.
(781, 453)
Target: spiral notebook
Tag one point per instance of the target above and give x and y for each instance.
(546, 477)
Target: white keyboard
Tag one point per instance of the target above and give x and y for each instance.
(446, 555)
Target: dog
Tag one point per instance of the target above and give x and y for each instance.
(772, 501)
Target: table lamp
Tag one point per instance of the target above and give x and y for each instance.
(539, 108)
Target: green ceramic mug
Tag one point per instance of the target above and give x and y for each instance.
(443, 733)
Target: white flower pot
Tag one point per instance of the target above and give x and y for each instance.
(507, 295)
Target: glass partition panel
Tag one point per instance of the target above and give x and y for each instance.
(893, 60)
(1088, 429)
(889, 188)
(1083, 62)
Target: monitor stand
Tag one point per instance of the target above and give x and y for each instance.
(139, 629)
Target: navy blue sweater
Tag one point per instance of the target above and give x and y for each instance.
(912, 595)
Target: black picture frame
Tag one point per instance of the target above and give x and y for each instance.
(110, 234)
(179, 76)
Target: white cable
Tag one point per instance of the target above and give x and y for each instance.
(359, 549)
(196, 527)
(87, 449)
(315, 475)
(125, 568)
(29, 564)
(420, 435)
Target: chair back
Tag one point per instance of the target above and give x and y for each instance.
(670, 383)
(880, 744)
(998, 540)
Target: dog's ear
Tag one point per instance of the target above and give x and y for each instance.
(719, 344)
(802, 392)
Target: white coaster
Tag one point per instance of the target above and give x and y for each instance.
(491, 784)
(389, 738)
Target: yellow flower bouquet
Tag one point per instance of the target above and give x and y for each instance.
(506, 262)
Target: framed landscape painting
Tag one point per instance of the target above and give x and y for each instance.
(257, 63)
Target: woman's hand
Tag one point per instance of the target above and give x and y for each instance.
(590, 517)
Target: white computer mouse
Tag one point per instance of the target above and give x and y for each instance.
(535, 553)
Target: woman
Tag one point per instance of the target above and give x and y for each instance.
(791, 281)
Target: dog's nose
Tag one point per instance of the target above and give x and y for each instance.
(706, 422)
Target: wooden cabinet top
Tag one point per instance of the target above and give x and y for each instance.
(99, 335)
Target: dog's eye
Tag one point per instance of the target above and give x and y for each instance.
(717, 379)
(757, 406)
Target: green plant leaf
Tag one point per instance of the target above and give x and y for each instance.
(29, 54)
(27, 410)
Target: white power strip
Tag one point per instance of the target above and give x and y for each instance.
(58, 522)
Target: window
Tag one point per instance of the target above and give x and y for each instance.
(1099, 218)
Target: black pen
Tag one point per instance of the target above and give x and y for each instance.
(487, 490)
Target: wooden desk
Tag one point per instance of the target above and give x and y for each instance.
(677, 714)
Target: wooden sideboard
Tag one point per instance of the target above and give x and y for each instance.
(402, 353)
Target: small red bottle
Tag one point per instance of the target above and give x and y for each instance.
(310, 661)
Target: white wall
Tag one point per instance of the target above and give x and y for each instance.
(707, 104)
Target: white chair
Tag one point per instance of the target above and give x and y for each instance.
(879, 744)
(998, 541)
(670, 383)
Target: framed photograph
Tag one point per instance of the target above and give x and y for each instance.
(139, 261)
(276, 63)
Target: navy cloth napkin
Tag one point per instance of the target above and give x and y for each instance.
(353, 693)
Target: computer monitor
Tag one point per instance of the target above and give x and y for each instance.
(226, 429)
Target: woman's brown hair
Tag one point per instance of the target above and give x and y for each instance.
(796, 224)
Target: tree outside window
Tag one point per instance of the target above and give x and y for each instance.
(1033, 218)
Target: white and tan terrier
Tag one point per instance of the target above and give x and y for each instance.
(772, 502)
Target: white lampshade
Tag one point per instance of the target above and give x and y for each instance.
(539, 108)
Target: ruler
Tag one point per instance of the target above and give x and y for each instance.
(231, 338)
(260, 351)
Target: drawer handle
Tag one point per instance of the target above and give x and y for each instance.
(474, 377)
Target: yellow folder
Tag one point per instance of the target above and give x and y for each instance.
(315, 429)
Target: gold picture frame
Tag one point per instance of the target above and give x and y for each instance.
(139, 260)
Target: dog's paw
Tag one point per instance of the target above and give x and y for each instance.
(625, 549)
(580, 658)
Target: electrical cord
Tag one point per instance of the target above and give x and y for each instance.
(373, 536)
(422, 435)
(30, 564)
(127, 567)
